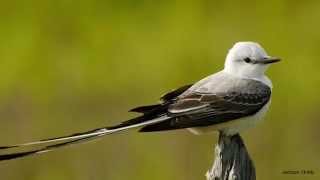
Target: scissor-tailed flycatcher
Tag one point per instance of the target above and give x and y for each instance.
(228, 101)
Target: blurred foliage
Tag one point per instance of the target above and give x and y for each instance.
(68, 66)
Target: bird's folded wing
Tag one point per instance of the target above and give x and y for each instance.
(204, 109)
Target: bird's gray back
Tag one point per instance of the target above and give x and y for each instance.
(222, 82)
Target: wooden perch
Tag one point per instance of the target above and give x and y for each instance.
(232, 161)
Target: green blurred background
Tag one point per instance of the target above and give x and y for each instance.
(69, 66)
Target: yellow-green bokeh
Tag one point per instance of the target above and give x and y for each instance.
(68, 66)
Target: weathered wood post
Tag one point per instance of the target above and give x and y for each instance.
(232, 161)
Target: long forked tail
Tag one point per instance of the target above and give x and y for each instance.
(47, 145)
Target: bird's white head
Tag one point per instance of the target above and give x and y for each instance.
(248, 59)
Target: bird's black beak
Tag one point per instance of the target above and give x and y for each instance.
(270, 60)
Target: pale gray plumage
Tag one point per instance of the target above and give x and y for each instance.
(214, 100)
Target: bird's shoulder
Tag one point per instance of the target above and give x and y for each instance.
(224, 83)
(221, 91)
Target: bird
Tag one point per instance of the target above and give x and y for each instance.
(229, 101)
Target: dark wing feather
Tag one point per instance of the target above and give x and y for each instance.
(166, 98)
(156, 110)
(204, 109)
(175, 93)
(145, 109)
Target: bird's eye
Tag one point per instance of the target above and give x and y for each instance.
(247, 60)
